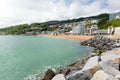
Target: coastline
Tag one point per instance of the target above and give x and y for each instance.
(74, 37)
(89, 67)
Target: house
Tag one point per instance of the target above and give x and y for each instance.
(93, 28)
(87, 31)
(79, 29)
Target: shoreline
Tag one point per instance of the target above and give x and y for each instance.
(88, 67)
(74, 37)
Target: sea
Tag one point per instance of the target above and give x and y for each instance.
(22, 56)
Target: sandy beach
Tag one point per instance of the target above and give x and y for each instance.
(75, 37)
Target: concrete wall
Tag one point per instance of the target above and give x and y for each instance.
(117, 31)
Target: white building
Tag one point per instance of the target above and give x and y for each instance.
(91, 30)
(79, 29)
(87, 31)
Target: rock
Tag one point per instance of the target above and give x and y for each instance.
(84, 75)
(78, 65)
(64, 71)
(58, 71)
(94, 69)
(91, 63)
(49, 75)
(117, 77)
(100, 75)
(88, 70)
(71, 65)
(109, 55)
(40, 78)
(100, 43)
(113, 64)
(117, 60)
(117, 52)
(59, 77)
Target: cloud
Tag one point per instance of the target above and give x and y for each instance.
(14, 12)
(113, 5)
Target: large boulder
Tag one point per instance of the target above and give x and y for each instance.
(95, 69)
(88, 70)
(59, 77)
(92, 62)
(100, 75)
(117, 60)
(78, 65)
(117, 52)
(49, 75)
(84, 75)
(64, 71)
(109, 55)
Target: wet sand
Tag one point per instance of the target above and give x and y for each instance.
(75, 37)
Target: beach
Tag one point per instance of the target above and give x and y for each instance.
(75, 37)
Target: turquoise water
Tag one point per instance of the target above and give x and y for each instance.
(21, 56)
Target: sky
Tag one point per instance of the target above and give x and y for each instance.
(13, 12)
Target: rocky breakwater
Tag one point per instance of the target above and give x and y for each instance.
(101, 43)
(62, 73)
(105, 66)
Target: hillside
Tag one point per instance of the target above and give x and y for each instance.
(101, 17)
(23, 28)
(114, 23)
